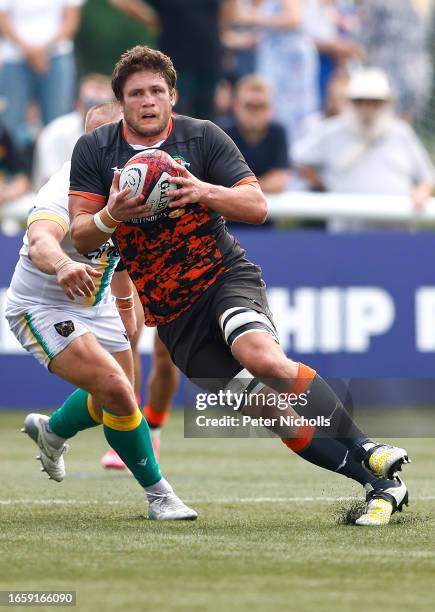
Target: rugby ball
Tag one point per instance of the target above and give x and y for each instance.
(149, 172)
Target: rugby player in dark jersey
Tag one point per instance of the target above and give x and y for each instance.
(206, 298)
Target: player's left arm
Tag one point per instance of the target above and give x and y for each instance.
(245, 203)
(231, 188)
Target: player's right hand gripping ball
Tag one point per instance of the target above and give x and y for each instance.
(149, 172)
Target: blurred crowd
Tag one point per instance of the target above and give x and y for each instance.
(319, 95)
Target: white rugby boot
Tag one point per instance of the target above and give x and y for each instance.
(169, 507)
(51, 457)
(383, 501)
(384, 461)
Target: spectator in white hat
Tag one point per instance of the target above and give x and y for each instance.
(366, 149)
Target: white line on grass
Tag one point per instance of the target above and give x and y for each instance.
(234, 500)
(47, 502)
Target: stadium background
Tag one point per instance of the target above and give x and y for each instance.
(362, 316)
(375, 284)
(272, 532)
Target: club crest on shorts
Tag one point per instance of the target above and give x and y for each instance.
(64, 328)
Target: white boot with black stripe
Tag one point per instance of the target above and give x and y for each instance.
(383, 501)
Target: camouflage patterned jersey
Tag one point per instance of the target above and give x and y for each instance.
(175, 255)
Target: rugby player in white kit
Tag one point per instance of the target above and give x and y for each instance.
(61, 310)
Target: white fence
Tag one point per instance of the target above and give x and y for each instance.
(303, 205)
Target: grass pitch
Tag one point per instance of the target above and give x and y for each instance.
(270, 534)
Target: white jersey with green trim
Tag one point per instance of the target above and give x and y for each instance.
(30, 286)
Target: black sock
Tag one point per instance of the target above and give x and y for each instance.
(322, 401)
(332, 455)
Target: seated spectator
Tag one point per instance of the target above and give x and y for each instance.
(261, 141)
(55, 144)
(367, 149)
(14, 184)
(37, 59)
(335, 103)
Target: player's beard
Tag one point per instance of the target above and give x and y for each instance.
(136, 127)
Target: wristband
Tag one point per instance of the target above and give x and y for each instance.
(124, 303)
(121, 308)
(111, 216)
(129, 297)
(102, 226)
(62, 262)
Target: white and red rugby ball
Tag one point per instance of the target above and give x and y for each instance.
(149, 172)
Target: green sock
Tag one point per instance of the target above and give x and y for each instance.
(130, 437)
(75, 414)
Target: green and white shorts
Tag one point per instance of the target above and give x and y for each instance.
(45, 331)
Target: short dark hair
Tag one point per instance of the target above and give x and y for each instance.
(139, 58)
